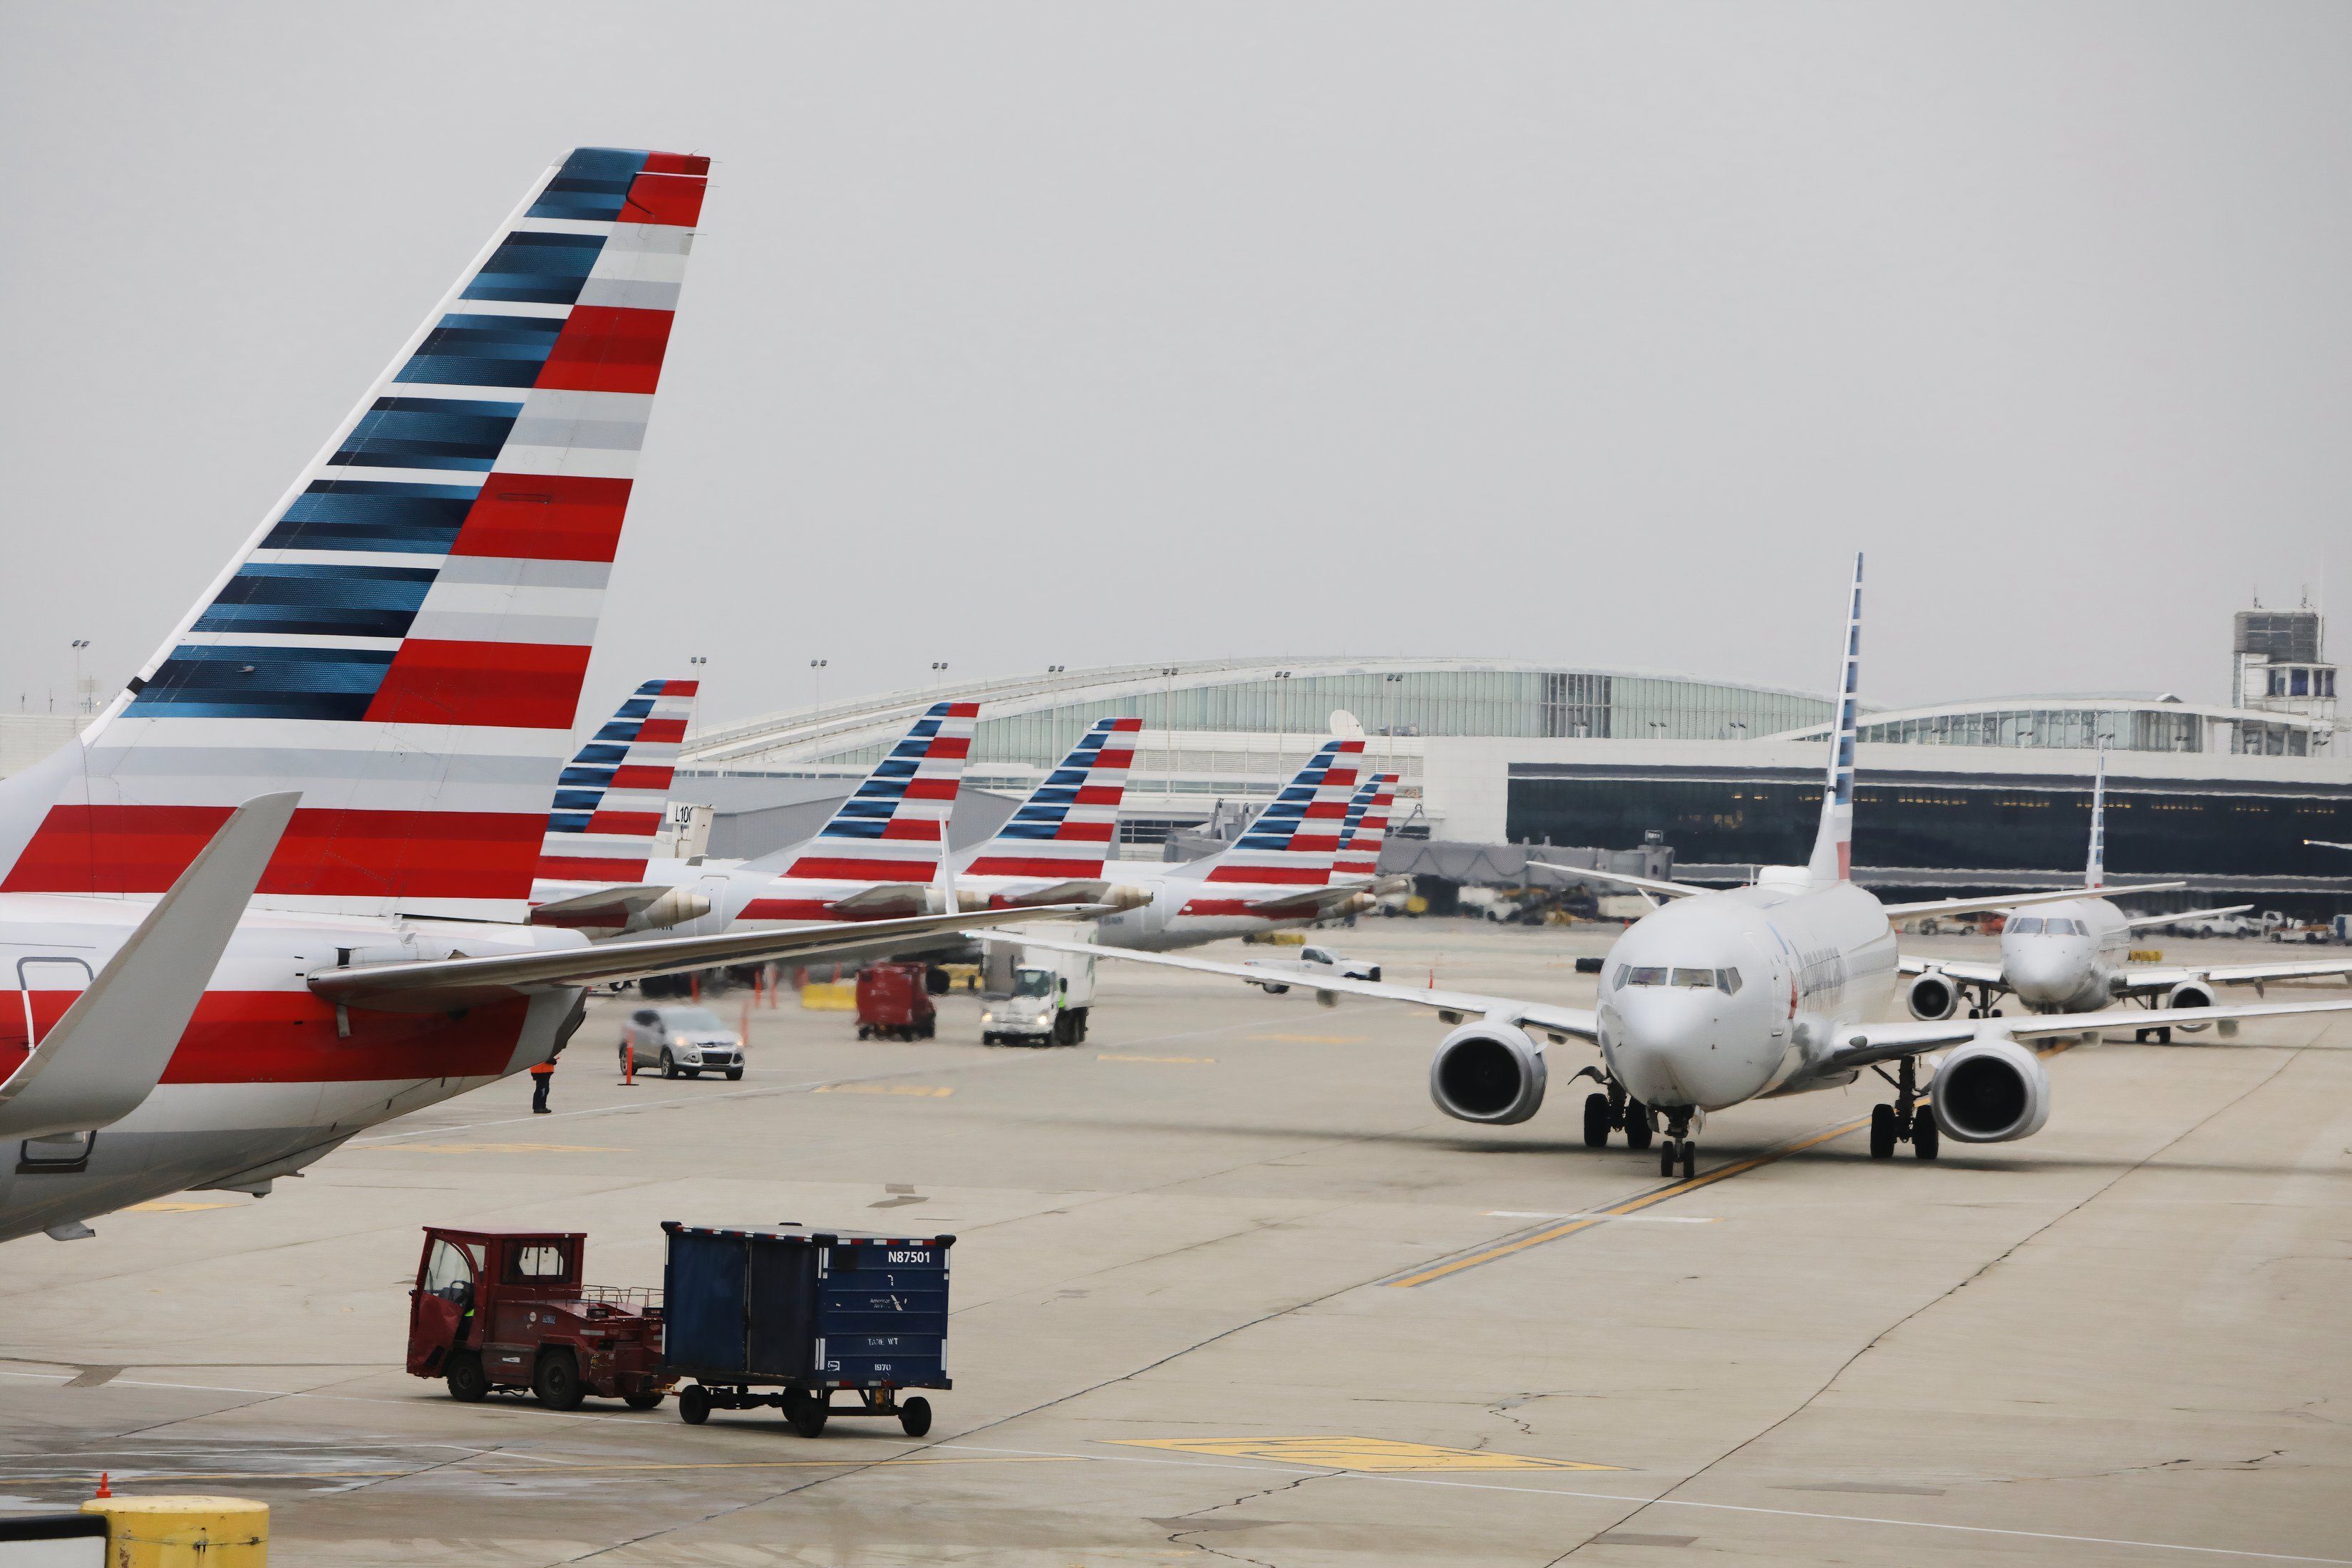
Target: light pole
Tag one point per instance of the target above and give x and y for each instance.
(1392, 681)
(81, 704)
(1168, 733)
(939, 672)
(1282, 735)
(694, 707)
(816, 683)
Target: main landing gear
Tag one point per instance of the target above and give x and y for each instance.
(1909, 1119)
(1613, 1111)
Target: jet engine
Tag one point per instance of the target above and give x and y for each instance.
(2189, 994)
(1933, 995)
(1990, 1091)
(1487, 1072)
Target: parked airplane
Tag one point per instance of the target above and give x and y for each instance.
(1278, 873)
(218, 986)
(1368, 830)
(1719, 997)
(2074, 956)
(607, 816)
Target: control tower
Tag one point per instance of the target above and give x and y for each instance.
(2278, 664)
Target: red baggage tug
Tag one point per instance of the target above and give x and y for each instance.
(505, 1311)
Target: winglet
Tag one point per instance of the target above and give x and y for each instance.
(1832, 858)
(98, 1063)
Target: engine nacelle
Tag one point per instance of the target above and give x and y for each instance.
(1933, 997)
(2189, 994)
(1990, 1091)
(1487, 1072)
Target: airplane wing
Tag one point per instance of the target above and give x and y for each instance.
(2167, 976)
(1868, 1043)
(1974, 971)
(2016, 901)
(99, 1062)
(434, 986)
(2186, 915)
(1646, 884)
(1451, 1005)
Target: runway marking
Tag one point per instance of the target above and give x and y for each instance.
(161, 1207)
(508, 1149)
(1316, 1039)
(1404, 1480)
(569, 1469)
(1638, 1201)
(1186, 1061)
(1371, 1453)
(916, 1090)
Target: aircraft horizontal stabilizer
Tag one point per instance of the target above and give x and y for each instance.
(437, 985)
(634, 906)
(99, 1062)
(2019, 901)
(1315, 903)
(1646, 884)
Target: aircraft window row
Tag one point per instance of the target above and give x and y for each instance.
(2062, 928)
(1724, 979)
(2034, 925)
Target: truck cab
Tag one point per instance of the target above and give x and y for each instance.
(505, 1311)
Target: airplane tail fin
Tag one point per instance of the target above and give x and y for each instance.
(2094, 870)
(1066, 827)
(1368, 827)
(1296, 839)
(404, 638)
(1832, 858)
(894, 827)
(610, 799)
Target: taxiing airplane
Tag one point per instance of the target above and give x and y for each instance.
(275, 892)
(2072, 955)
(1719, 997)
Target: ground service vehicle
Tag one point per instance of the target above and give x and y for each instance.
(505, 1309)
(691, 1040)
(805, 1313)
(1313, 961)
(894, 1003)
(1037, 997)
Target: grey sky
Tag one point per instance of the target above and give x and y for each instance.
(1077, 334)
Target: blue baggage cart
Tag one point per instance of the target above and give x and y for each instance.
(788, 1315)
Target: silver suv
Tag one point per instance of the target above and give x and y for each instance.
(689, 1040)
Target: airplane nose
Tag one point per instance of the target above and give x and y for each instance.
(1670, 1049)
(2039, 971)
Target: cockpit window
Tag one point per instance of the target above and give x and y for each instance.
(2061, 928)
(1645, 976)
(1729, 979)
(2029, 926)
(1695, 979)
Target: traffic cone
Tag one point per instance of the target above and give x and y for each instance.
(104, 1489)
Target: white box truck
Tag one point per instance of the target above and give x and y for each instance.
(1032, 996)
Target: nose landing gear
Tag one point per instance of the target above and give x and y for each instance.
(1909, 1119)
(1678, 1150)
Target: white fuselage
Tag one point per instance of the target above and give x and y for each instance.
(2065, 957)
(1784, 965)
(266, 1076)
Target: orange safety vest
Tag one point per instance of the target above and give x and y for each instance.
(542, 1069)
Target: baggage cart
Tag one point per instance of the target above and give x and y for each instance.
(895, 1002)
(789, 1316)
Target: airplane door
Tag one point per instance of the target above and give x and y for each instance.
(46, 987)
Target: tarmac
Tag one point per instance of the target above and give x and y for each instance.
(1228, 1287)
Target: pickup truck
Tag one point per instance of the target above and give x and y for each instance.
(1312, 961)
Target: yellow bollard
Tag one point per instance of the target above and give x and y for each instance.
(183, 1532)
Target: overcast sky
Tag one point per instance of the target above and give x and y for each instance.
(1080, 334)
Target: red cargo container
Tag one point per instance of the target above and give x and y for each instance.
(893, 1003)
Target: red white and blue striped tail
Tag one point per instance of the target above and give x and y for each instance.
(1368, 827)
(1066, 827)
(610, 800)
(1832, 859)
(1296, 839)
(403, 639)
(895, 828)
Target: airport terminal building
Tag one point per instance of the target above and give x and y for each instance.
(1727, 773)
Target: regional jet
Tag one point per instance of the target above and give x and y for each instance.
(1718, 997)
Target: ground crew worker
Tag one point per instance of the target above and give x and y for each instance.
(540, 1076)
